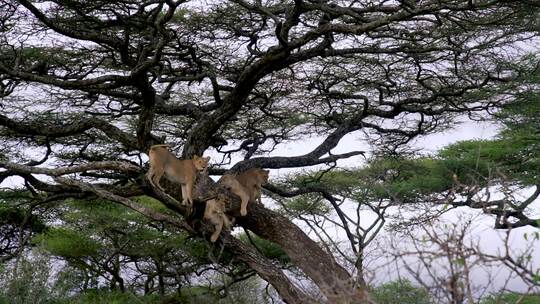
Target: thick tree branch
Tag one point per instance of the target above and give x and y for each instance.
(124, 201)
(328, 196)
(266, 269)
(332, 279)
(120, 166)
(82, 34)
(52, 130)
(290, 162)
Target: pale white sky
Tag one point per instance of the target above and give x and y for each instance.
(489, 239)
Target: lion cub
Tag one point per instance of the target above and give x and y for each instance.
(247, 185)
(181, 171)
(215, 214)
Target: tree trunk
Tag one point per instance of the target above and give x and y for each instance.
(333, 281)
(331, 278)
(267, 271)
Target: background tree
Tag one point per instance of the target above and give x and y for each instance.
(450, 262)
(401, 291)
(18, 223)
(101, 252)
(101, 243)
(87, 87)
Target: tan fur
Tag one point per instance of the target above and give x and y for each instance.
(215, 214)
(235, 187)
(181, 171)
(247, 185)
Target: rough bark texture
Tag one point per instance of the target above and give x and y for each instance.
(268, 271)
(333, 280)
(268, 74)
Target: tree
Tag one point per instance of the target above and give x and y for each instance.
(87, 87)
(401, 291)
(17, 223)
(511, 298)
(109, 246)
(447, 259)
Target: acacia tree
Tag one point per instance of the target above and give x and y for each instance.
(87, 87)
(18, 224)
(106, 244)
(448, 261)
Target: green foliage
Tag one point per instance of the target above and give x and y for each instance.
(99, 214)
(334, 181)
(68, 243)
(151, 203)
(246, 291)
(404, 178)
(11, 213)
(95, 224)
(67, 282)
(196, 294)
(473, 159)
(400, 292)
(94, 231)
(101, 296)
(516, 151)
(267, 248)
(513, 156)
(27, 283)
(476, 161)
(384, 177)
(522, 134)
(312, 204)
(18, 223)
(511, 298)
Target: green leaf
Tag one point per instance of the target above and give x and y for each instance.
(268, 248)
(68, 243)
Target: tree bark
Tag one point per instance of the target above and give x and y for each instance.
(269, 272)
(331, 278)
(333, 281)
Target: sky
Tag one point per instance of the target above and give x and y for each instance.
(488, 239)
